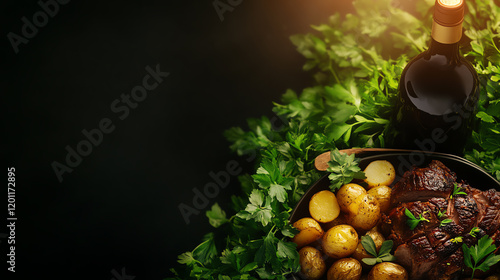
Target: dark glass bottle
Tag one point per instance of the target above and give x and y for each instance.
(438, 90)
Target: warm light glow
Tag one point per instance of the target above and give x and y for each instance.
(451, 3)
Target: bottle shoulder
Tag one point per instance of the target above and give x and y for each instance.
(437, 83)
(442, 62)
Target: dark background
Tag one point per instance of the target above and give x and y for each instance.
(119, 207)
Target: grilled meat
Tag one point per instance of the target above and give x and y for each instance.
(420, 184)
(432, 250)
(418, 255)
(448, 268)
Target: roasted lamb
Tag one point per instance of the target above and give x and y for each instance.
(433, 250)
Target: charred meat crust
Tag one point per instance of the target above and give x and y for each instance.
(436, 180)
(417, 256)
(432, 250)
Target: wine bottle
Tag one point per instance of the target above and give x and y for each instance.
(438, 89)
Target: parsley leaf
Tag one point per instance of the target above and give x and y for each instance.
(344, 168)
(186, 258)
(258, 209)
(206, 251)
(482, 250)
(412, 221)
(268, 250)
(369, 245)
(216, 216)
(383, 255)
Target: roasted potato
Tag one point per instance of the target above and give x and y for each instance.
(388, 271)
(310, 231)
(493, 277)
(312, 265)
(347, 194)
(383, 196)
(324, 207)
(340, 241)
(379, 173)
(345, 269)
(364, 213)
(361, 253)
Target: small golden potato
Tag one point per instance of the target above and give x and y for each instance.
(364, 212)
(345, 269)
(311, 262)
(324, 207)
(347, 194)
(383, 196)
(310, 231)
(493, 277)
(306, 223)
(388, 271)
(340, 241)
(379, 173)
(361, 253)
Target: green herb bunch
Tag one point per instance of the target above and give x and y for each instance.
(343, 169)
(356, 61)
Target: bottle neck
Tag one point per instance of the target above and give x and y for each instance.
(449, 50)
(445, 40)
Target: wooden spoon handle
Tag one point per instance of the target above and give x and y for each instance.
(321, 161)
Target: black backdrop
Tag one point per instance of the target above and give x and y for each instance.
(118, 208)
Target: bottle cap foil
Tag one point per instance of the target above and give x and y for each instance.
(449, 12)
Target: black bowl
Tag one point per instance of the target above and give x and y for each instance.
(403, 161)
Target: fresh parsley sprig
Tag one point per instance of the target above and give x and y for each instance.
(383, 255)
(412, 221)
(344, 168)
(482, 250)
